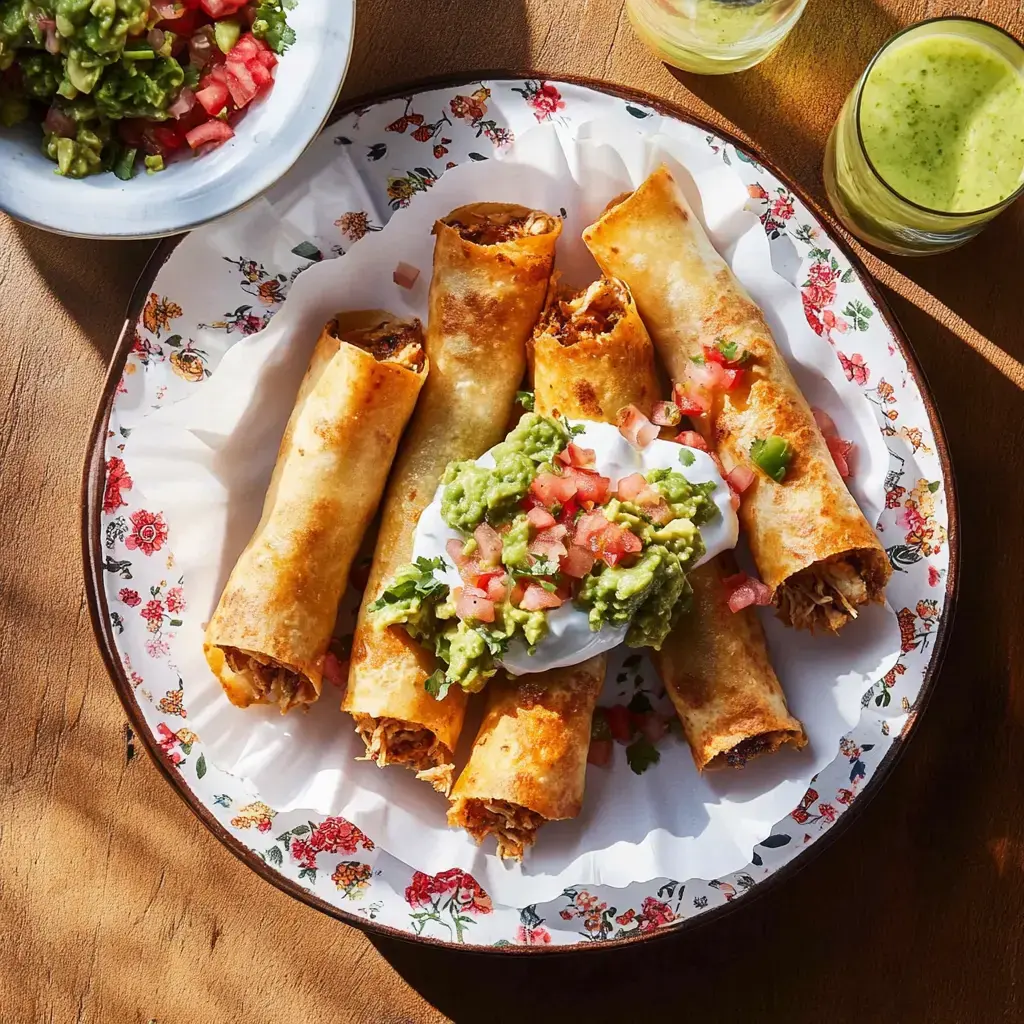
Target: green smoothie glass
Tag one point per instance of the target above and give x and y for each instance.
(714, 37)
(929, 146)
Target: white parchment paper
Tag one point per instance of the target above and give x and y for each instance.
(206, 461)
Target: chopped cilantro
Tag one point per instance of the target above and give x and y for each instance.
(699, 360)
(548, 586)
(732, 353)
(686, 457)
(497, 643)
(641, 754)
(525, 399)
(575, 429)
(271, 24)
(437, 685)
(640, 704)
(415, 580)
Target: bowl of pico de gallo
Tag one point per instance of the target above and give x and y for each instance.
(142, 118)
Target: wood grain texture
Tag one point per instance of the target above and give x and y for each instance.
(117, 906)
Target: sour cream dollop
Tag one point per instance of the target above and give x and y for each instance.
(570, 639)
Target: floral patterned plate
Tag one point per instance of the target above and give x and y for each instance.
(225, 281)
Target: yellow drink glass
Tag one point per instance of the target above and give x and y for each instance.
(929, 145)
(713, 37)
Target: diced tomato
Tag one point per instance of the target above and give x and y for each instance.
(405, 275)
(222, 8)
(334, 670)
(537, 598)
(456, 552)
(740, 477)
(241, 84)
(210, 131)
(630, 486)
(574, 455)
(654, 505)
(552, 489)
(714, 376)
(713, 355)
(651, 724)
(590, 486)
(516, 593)
(245, 49)
(619, 722)
(569, 510)
(689, 399)
(168, 9)
(577, 563)
(495, 584)
(692, 439)
(472, 603)
(635, 427)
(600, 753)
(263, 78)
(213, 97)
(840, 450)
(267, 57)
(825, 422)
(489, 543)
(589, 526)
(549, 543)
(167, 138)
(540, 518)
(744, 591)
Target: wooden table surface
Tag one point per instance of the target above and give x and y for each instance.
(915, 915)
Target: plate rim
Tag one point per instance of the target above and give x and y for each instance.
(332, 111)
(93, 483)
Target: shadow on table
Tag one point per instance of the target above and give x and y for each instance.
(430, 39)
(93, 280)
(816, 66)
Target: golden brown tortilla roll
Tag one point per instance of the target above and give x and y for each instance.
(596, 355)
(529, 760)
(716, 671)
(492, 265)
(268, 636)
(812, 545)
(591, 356)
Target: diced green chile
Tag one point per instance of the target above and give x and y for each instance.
(772, 455)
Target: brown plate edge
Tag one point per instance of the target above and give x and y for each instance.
(93, 485)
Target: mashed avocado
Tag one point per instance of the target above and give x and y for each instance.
(474, 493)
(514, 553)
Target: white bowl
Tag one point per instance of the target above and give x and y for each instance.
(268, 140)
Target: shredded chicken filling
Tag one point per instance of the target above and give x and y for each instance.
(825, 594)
(272, 682)
(591, 313)
(513, 826)
(494, 228)
(393, 741)
(398, 342)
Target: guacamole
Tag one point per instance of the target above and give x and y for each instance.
(84, 69)
(621, 563)
(474, 494)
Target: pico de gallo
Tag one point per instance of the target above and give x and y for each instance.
(125, 85)
(537, 528)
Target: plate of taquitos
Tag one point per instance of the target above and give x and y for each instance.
(688, 756)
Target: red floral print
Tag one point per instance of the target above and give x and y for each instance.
(828, 812)
(118, 480)
(546, 101)
(332, 835)
(653, 914)
(149, 531)
(129, 597)
(175, 601)
(855, 368)
(532, 936)
(168, 741)
(934, 576)
(782, 208)
(153, 613)
(844, 796)
(469, 108)
(757, 191)
(462, 887)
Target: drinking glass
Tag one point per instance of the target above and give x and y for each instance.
(919, 165)
(714, 37)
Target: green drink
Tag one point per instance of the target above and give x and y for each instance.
(930, 144)
(713, 37)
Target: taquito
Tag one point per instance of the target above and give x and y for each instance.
(812, 545)
(716, 672)
(492, 266)
(591, 357)
(269, 634)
